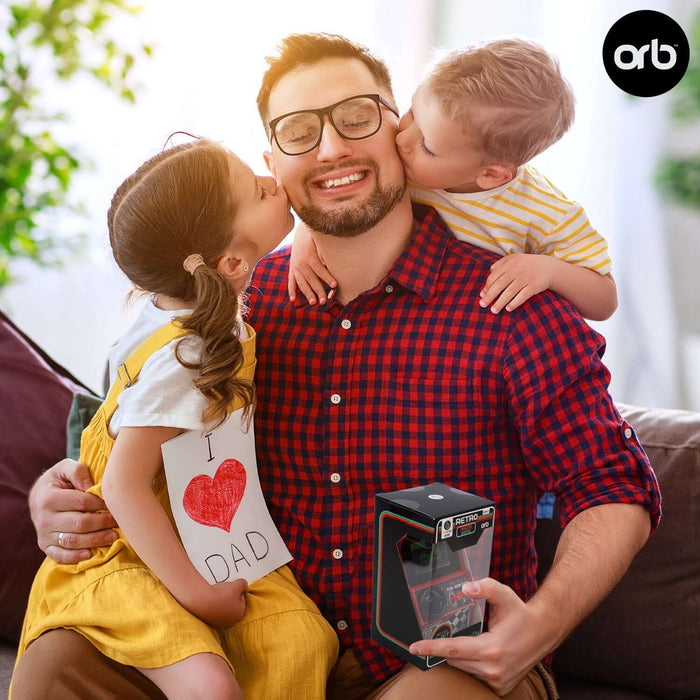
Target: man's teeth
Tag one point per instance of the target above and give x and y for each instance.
(327, 184)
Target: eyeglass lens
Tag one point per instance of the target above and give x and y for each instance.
(356, 118)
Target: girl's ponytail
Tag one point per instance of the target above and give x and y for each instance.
(214, 319)
(181, 201)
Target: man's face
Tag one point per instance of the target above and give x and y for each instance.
(342, 187)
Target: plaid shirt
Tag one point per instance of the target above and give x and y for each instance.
(413, 382)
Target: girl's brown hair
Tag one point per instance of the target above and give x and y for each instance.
(178, 203)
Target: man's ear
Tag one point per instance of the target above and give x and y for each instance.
(267, 156)
(494, 176)
(232, 268)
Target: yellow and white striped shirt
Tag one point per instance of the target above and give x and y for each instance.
(526, 215)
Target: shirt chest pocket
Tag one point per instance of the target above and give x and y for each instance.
(440, 399)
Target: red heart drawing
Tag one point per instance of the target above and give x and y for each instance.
(214, 502)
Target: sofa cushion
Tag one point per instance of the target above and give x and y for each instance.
(646, 635)
(35, 395)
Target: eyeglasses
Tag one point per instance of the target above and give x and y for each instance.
(354, 118)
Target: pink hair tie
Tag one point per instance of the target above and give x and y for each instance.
(192, 262)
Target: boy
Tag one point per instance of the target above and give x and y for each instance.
(475, 121)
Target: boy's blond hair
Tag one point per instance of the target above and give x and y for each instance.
(509, 95)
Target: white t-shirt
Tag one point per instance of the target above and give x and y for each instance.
(164, 394)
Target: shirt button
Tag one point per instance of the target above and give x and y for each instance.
(342, 625)
(335, 477)
(628, 433)
(346, 323)
(389, 289)
(337, 554)
(335, 398)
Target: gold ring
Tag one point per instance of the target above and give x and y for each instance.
(60, 538)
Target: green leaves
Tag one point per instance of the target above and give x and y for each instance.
(36, 170)
(679, 178)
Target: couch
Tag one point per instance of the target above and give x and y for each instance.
(642, 642)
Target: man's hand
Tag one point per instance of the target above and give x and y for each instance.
(515, 642)
(306, 269)
(514, 279)
(59, 506)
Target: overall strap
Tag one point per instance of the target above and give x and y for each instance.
(128, 371)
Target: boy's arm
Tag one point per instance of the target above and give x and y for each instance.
(515, 278)
(306, 269)
(127, 490)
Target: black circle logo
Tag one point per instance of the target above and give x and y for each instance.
(646, 53)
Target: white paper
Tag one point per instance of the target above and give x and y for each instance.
(218, 505)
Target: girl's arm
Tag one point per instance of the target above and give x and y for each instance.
(515, 278)
(306, 269)
(127, 490)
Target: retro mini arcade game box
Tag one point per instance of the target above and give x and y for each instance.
(428, 542)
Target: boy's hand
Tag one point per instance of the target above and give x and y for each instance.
(306, 269)
(514, 279)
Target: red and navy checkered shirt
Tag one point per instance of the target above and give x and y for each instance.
(413, 382)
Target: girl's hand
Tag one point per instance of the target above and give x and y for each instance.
(515, 278)
(306, 269)
(220, 605)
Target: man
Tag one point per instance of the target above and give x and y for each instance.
(400, 379)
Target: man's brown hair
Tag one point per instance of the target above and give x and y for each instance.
(299, 50)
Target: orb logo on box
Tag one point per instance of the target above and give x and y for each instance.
(646, 53)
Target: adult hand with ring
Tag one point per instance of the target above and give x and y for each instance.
(68, 521)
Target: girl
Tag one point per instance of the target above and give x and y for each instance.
(188, 226)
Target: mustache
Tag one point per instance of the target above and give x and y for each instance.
(354, 163)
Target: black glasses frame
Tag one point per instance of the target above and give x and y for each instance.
(378, 99)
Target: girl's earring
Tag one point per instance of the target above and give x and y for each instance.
(245, 267)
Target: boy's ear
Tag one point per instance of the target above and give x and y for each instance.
(494, 176)
(267, 156)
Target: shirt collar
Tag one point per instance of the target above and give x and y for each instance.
(418, 267)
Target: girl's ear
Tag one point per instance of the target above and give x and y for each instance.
(267, 157)
(233, 269)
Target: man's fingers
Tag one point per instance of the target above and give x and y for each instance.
(67, 556)
(67, 500)
(83, 540)
(74, 473)
(463, 648)
(493, 591)
(73, 546)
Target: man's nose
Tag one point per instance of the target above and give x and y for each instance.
(332, 146)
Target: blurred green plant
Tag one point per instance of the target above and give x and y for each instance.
(679, 178)
(41, 41)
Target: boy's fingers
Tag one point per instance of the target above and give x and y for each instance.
(522, 296)
(508, 293)
(491, 292)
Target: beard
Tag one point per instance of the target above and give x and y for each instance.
(355, 220)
